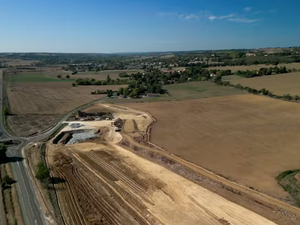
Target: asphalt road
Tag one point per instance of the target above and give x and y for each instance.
(31, 209)
(2, 211)
(33, 215)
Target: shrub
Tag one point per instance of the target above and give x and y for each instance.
(6, 111)
(7, 182)
(43, 173)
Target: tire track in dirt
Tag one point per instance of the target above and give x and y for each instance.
(130, 185)
(145, 222)
(86, 200)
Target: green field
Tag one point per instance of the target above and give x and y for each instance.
(33, 77)
(190, 90)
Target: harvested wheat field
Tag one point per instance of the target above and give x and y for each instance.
(256, 67)
(101, 182)
(51, 97)
(280, 84)
(25, 125)
(246, 138)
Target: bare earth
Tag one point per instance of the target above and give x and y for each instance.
(280, 84)
(101, 172)
(28, 124)
(249, 139)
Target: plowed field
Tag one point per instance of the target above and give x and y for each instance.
(249, 139)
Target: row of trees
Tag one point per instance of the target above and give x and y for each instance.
(262, 71)
(123, 75)
(59, 76)
(262, 91)
(108, 81)
(103, 92)
(272, 70)
(153, 80)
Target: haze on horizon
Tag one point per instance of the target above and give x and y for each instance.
(146, 26)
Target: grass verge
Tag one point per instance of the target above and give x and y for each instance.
(290, 182)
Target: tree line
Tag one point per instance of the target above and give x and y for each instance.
(108, 81)
(262, 91)
(153, 80)
(103, 92)
(262, 72)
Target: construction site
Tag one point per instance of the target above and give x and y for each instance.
(108, 172)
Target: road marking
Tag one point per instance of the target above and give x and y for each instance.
(22, 179)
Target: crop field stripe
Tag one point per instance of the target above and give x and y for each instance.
(74, 196)
(106, 211)
(141, 218)
(129, 184)
(70, 201)
(117, 173)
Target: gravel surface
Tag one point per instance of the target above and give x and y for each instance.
(82, 136)
(76, 125)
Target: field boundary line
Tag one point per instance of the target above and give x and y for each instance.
(214, 176)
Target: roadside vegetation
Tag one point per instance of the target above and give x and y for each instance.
(44, 184)
(43, 174)
(290, 181)
(9, 191)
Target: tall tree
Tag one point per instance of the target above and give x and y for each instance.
(121, 91)
(108, 79)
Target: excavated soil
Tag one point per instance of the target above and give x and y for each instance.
(118, 181)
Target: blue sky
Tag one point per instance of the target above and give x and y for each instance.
(106, 26)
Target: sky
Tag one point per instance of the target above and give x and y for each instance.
(113, 26)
